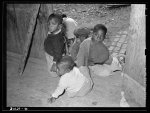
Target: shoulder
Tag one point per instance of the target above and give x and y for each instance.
(86, 42)
(64, 77)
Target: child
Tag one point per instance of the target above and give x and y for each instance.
(54, 44)
(76, 81)
(92, 50)
(80, 34)
(94, 53)
(71, 25)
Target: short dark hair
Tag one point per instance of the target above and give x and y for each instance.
(83, 31)
(68, 62)
(100, 27)
(57, 17)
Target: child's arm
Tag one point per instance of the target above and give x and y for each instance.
(60, 89)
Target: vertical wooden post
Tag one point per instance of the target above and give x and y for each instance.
(134, 81)
(28, 38)
(19, 41)
(135, 65)
(50, 8)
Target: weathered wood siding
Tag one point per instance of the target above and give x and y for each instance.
(23, 15)
(135, 59)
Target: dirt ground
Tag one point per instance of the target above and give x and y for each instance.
(34, 87)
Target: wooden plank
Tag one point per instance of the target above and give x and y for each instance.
(29, 39)
(135, 65)
(19, 42)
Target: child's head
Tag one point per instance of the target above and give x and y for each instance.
(99, 32)
(65, 65)
(54, 22)
(81, 33)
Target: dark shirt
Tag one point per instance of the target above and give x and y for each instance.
(98, 53)
(54, 45)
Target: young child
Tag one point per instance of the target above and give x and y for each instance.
(94, 53)
(92, 50)
(54, 44)
(75, 81)
(71, 25)
(80, 34)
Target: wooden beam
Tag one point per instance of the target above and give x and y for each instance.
(19, 42)
(135, 65)
(29, 38)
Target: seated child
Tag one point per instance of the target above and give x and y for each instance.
(54, 44)
(75, 81)
(93, 51)
(80, 34)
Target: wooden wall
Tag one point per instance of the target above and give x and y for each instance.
(135, 67)
(135, 58)
(17, 28)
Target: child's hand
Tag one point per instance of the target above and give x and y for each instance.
(53, 68)
(51, 99)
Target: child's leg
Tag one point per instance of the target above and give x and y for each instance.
(50, 63)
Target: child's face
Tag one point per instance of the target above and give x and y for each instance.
(99, 36)
(53, 25)
(60, 70)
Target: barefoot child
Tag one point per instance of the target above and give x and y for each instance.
(75, 81)
(54, 44)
